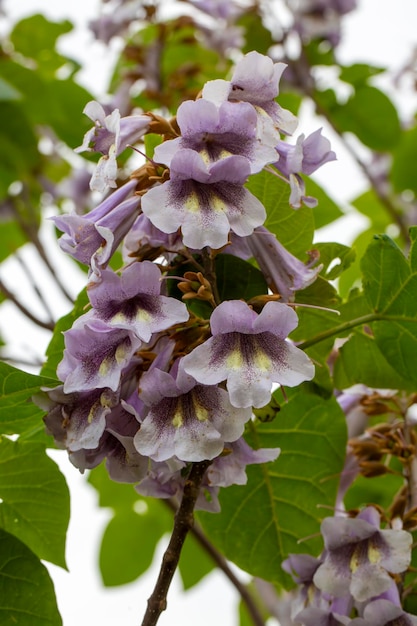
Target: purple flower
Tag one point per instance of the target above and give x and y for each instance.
(206, 201)
(218, 9)
(250, 352)
(132, 301)
(217, 132)
(186, 419)
(95, 356)
(284, 273)
(146, 241)
(314, 616)
(384, 613)
(92, 239)
(230, 468)
(77, 420)
(110, 136)
(255, 80)
(163, 479)
(359, 555)
(306, 156)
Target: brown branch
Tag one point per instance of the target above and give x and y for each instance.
(24, 310)
(29, 275)
(222, 564)
(184, 520)
(30, 229)
(306, 82)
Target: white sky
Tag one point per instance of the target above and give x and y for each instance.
(380, 32)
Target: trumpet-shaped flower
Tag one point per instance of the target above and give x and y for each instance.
(110, 135)
(93, 238)
(284, 273)
(217, 132)
(255, 80)
(205, 201)
(384, 613)
(132, 301)
(186, 419)
(359, 556)
(95, 356)
(250, 351)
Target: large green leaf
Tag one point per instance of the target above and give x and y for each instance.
(403, 171)
(261, 523)
(18, 414)
(129, 542)
(371, 116)
(11, 235)
(327, 210)
(133, 533)
(194, 563)
(360, 361)
(35, 37)
(390, 286)
(237, 278)
(293, 228)
(34, 499)
(55, 348)
(27, 596)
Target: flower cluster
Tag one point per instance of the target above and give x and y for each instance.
(150, 382)
(354, 574)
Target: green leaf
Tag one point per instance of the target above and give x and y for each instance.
(293, 228)
(390, 287)
(403, 171)
(335, 257)
(194, 563)
(238, 279)
(133, 532)
(257, 37)
(360, 361)
(117, 496)
(68, 100)
(18, 143)
(370, 205)
(55, 347)
(327, 211)
(34, 499)
(371, 116)
(35, 37)
(129, 542)
(11, 236)
(379, 490)
(27, 596)
(7, 91)
(18, 414)
(359, 73)
(261, 523)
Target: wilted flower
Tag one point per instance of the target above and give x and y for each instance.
(110, 135)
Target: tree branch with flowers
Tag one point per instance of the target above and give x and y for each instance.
(224, 375)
